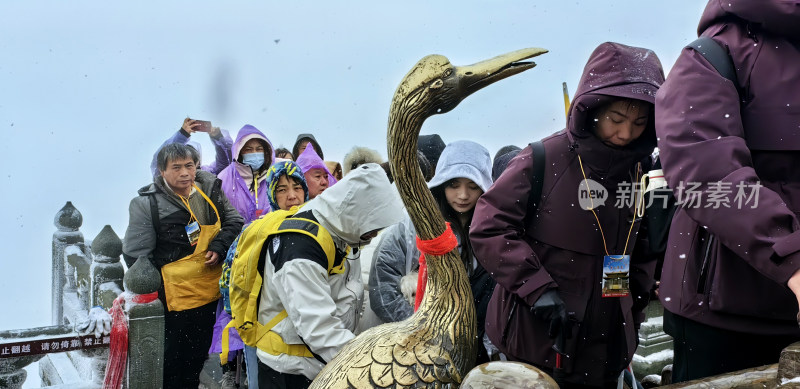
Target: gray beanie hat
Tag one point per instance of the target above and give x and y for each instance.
(465, 159)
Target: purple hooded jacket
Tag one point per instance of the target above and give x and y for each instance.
(238, 178)
(309, 159)
(727, 266)
(560, 247)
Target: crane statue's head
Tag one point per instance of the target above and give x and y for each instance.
(436, 86)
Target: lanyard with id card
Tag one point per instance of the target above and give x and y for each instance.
(193, 232)
(193, 228)
(616, 268)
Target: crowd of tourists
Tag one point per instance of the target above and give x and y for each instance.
(679, 189)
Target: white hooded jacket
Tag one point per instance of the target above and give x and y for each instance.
(323, 309)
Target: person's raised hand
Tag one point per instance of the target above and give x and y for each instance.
(190, 125)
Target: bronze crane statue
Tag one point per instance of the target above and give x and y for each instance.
(435, 347)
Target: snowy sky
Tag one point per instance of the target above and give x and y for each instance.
(89, 90)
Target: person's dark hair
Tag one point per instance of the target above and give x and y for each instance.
(501, 162)
(505, 150)
(281, 152)
(175, 151)
(425, 166)
(451, 216)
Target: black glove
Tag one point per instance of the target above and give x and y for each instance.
(550, 307)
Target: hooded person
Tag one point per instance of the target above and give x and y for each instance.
(244, 180)
(287, 185)
(730, 270)
(547, 254)
(318, 177)
(321, 306)
(462, 176)
(335, 168)
(359, 155)
(303, 140)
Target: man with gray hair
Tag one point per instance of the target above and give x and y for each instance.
(184, 224)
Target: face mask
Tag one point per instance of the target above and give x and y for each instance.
(254, 160)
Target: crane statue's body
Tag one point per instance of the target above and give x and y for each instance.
(435, 347)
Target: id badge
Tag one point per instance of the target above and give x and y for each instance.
(616, 282)
(193, 232)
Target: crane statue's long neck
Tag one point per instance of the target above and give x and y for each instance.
(405, 121)
(448, 296)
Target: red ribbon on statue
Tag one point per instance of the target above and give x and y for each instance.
(439, 245)
(118, 349)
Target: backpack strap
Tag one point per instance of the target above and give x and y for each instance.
(537, 179)
(318, 233)
(717, 56)
(154, 211)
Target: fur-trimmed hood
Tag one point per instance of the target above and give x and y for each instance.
(358, 156)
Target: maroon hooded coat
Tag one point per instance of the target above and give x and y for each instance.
(728, 267)
(560, 247)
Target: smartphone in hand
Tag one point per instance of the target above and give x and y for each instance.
(205, 126)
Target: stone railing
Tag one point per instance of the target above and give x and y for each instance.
(85, 276)
(19, 348)
(784, 374)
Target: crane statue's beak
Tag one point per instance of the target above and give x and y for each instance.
(474, 77)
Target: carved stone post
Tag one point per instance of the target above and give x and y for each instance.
(146, 328)
(106, 271)
(67, 220)
(105, 277)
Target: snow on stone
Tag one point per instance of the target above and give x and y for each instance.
(73, 250)
(657, 321)
(109, 286)
(794, 380)
(661, 356)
